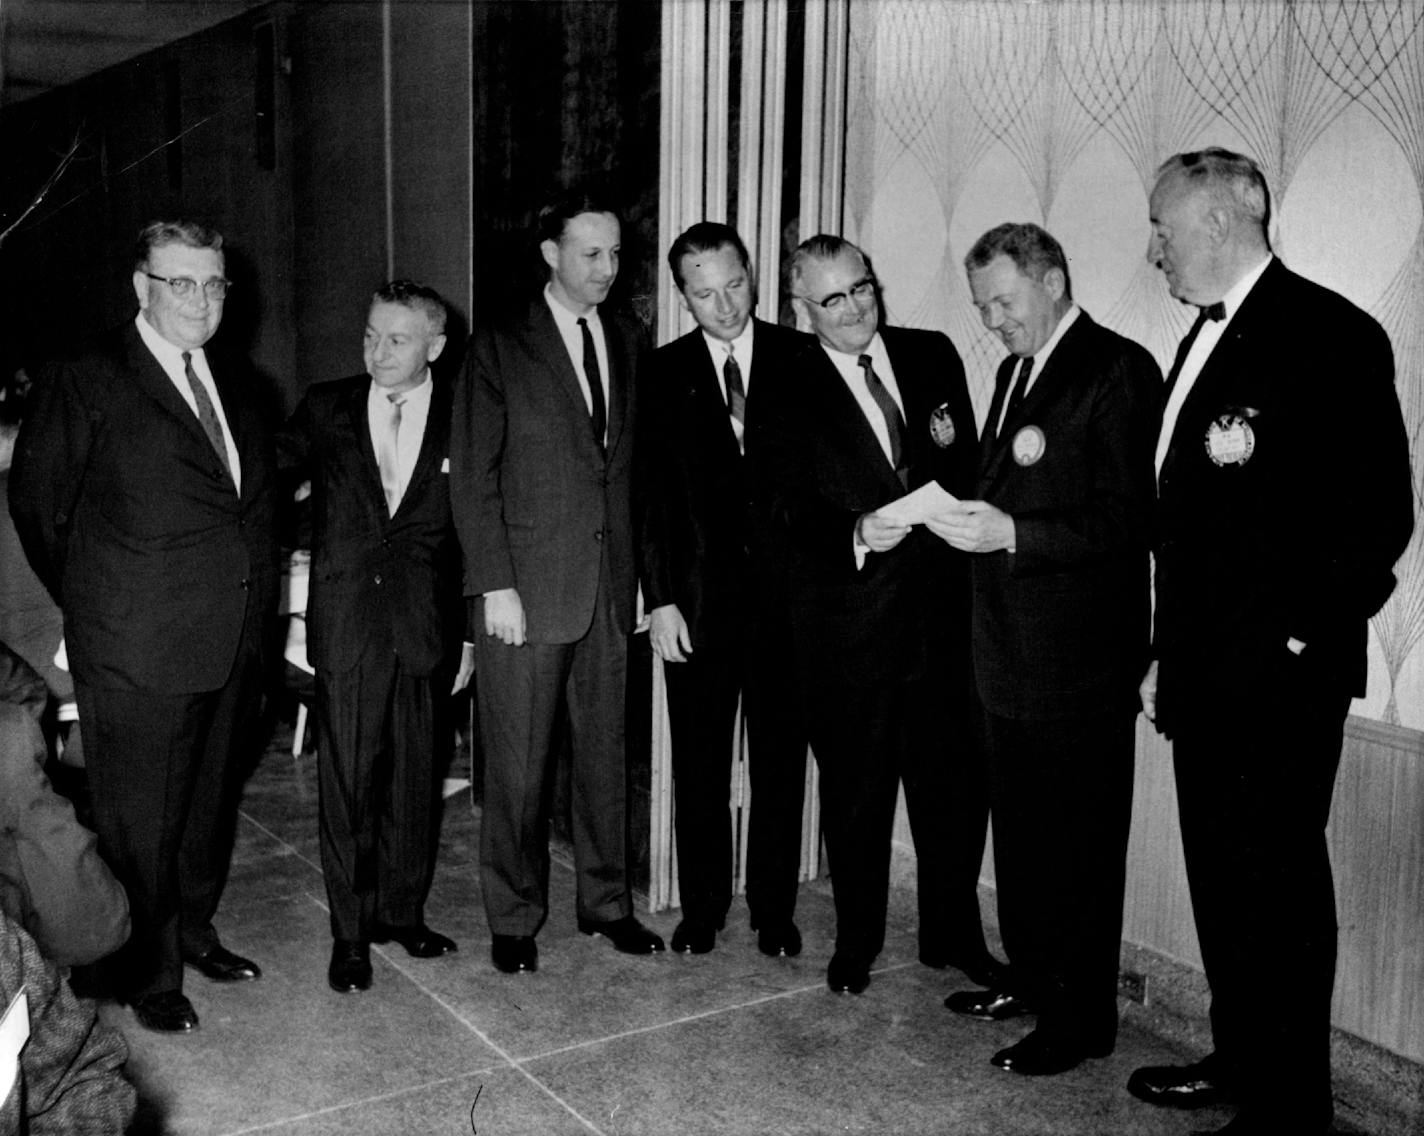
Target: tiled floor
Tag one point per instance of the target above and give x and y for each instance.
(595, 1042)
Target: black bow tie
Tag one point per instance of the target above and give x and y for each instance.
(1216, 311)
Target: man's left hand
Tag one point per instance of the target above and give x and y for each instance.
(974, 526)
(467, 668)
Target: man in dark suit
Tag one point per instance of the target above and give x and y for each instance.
(879, 608)
(1059, 531)
(143, 494)
(1261, 621)
(541, 462)
(383, 625)
(716, 594)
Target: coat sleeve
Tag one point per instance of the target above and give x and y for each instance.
(73, 906)
(477, 440)
(51, 456)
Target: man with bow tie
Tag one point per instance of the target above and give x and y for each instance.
(1281, 422)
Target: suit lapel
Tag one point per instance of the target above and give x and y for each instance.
(1221, 364)
(620, 369)
(707, 391)
(353, 410)
(845, 414)
(546, 344)
(432, 444)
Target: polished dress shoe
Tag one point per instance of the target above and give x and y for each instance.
(779, 940)
(626, 934)
(221, 965)
(168, 1011)
(512, 954)
(1179, 1086)
(987, 1005)
(1039, 1056)
(979, 966)
(350, 967)
(694, 937)
(419, 941)
(848, 973)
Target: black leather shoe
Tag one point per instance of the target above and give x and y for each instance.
(987, 1005)
(168, 1011)
(419, 941)
(221, 965)
(979, 966)
(1038, 1056)
(514, 953)
(694, 937)
(1179, 1086)
(350, 967)
(779, 940)
(626, 935)
(847, 974)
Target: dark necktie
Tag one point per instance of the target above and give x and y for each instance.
(1213, 312)
(1020, 388)
(736, 392)
(595, 383)
(207, 416)
(388, 455)
(894, 423)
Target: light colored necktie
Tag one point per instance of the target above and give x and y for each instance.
(388, 455)
(207, 415)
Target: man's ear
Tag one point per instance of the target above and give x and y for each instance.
(803, 314)
(550, 252)
(140, 283)
(1056, 282)
(437, 345)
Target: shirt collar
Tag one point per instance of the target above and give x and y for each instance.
(420, 393)
(565, 318)
(170, 355)
(1040, 357)
(741, 346)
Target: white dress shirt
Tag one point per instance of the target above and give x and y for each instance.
(1040, 361)
(170, 358)
(415, 411)
(572, 335)
(854, 376)
(1207, 339)
(741, 350)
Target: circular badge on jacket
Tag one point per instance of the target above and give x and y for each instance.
(1028, 445)
(942, 426)
(1230, 440)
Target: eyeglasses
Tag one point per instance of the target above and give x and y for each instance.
(184, 286)
(837, 301)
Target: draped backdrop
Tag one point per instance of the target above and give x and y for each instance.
(962, 114)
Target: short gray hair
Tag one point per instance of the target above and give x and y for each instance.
(1234, 179)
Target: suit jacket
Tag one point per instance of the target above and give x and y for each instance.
(132, 523)
(818, 465)
(1300, 539)
(539, 503)
(706, 546)
(1061, 624)
(378, 582)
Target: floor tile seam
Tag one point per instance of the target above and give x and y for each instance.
(717, 1011)
(291, 848)
(499, 1051)
(378, 1098)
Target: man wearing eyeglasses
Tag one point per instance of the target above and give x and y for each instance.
(142, 490)
(879, 609)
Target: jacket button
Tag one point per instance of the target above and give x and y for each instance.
(598, 536)
(377, 577)
(246, 583)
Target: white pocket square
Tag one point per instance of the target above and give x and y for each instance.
(445, 465)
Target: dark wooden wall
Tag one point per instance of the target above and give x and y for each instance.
(272, 127)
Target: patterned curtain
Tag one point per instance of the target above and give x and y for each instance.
(966, 113)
